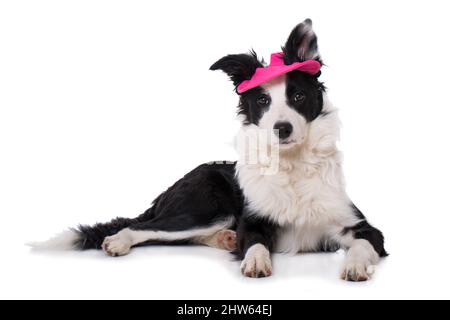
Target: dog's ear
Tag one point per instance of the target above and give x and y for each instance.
(301, 44)
(239, 67)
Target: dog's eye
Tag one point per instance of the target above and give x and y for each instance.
(263, 100)
(299, 97)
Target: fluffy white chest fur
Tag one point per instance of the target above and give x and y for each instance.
(306, 196)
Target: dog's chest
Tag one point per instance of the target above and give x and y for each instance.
(297, 196)
(308, 204)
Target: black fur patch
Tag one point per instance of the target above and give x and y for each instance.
(364, 230)
(204, 196)
(253, 230)
(312, 89)
(249, 108)
(239, 67)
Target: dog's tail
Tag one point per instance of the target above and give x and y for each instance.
(84, 237)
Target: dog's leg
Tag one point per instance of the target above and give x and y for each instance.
(256, 240)
(121, 243)
(365, 246)
(224, 239)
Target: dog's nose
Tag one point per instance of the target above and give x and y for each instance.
(283, 129)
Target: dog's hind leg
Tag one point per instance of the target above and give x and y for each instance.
(215, 235)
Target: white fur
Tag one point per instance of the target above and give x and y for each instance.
(257, 261)
(63, 241)
(307, 196)
(121, 243)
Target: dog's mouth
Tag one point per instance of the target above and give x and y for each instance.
(287, 142)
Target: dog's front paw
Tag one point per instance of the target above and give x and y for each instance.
(257, 263)
(356, 272)
(117, 245)
(360, 262)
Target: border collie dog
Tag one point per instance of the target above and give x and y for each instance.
(302, 206)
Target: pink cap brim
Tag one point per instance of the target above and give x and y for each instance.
(263, 75)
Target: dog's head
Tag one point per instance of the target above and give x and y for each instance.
(285, 105)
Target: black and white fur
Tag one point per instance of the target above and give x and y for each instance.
(302, 207)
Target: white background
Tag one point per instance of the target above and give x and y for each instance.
(104, 104)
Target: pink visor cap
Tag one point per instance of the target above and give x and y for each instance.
(275, 69)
